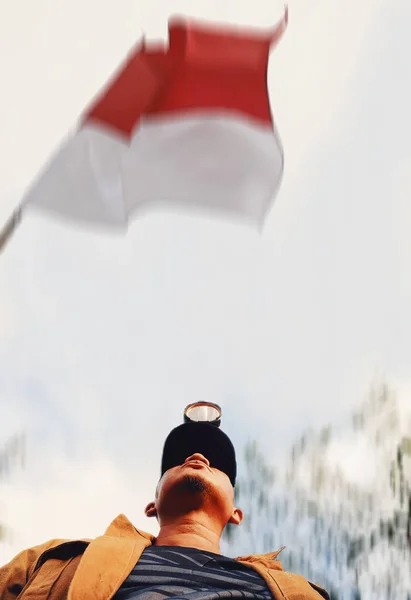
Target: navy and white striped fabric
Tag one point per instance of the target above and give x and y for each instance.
(175, 572)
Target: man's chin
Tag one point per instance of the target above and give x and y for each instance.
(192, 483)
(190, 492)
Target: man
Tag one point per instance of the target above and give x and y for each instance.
(193, 503)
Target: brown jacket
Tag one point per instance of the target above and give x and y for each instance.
(95, 569)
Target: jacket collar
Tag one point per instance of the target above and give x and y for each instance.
(108, 560)
(122, 527)
(270, 556)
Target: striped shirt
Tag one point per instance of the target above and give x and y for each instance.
(181, 573)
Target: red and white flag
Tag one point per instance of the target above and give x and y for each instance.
(188, 125)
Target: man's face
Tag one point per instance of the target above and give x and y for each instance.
(194, 485)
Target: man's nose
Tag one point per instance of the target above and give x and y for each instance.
(198, 456)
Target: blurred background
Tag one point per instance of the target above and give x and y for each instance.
(302, 334)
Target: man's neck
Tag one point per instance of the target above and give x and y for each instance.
(189, 532)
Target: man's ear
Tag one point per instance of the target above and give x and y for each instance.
(236, 517)
(151, 510)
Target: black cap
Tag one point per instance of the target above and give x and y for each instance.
(201, 437)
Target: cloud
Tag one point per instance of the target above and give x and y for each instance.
(79, 499)
(399, 194)
(8, 322)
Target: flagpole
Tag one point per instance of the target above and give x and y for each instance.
(10, 227)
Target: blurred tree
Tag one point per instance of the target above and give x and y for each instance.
(352, 537)
(12, 456)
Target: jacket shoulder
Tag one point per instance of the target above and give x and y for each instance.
(15, 574)
(297, 586)
(282, 583)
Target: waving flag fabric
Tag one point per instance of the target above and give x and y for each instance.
(187, 124)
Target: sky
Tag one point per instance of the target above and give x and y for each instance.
(105, 338)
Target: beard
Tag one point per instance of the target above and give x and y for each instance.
(191, 484)
(189, 493)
